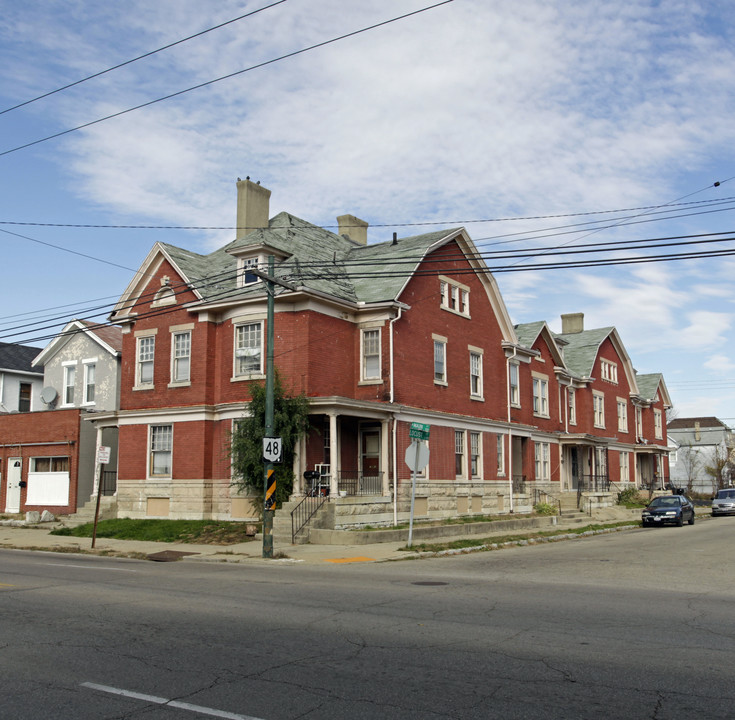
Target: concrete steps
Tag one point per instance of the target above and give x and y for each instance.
(85, 514)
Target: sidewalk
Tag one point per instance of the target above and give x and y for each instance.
(38, 538)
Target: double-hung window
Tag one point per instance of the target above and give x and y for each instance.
(639, 422)
(440, 360)
(146, 354)
(246, 275)
(70, 377)
(622, 415)
(161, 448)
(371, 355)
(90, 382)
(624, 467)
(540, 396)
(658, 424)
(476, 373)
(24, 397)
(541, 455)
(248, 349)
(572, 400)
(459, 453)
(514, 388)
(598, 402)
(181, 357)
(475, 449)
(501, 454)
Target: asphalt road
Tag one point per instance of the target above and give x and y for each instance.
(631, 625)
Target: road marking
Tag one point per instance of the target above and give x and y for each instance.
(89, 567)
(169, 703)
(6, 585)
(350, 560)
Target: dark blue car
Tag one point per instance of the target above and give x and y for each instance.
(673, 509)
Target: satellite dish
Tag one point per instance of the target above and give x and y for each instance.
(48, 395)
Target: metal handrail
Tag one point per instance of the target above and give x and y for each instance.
(354, 482)
(304, 511)
(537, 493)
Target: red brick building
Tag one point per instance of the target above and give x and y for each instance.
(377, 336)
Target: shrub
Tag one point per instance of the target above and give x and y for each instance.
(630, 497)
(544, 508)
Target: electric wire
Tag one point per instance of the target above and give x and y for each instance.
(199, 86)
(139, 57)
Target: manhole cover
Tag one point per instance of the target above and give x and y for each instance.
(429, 583)
(169, 555)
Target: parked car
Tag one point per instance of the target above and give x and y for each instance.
(724, 502)
(668, 509)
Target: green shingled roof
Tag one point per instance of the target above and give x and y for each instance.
(528, 332)
(316, 259)
(648, 385)
(582, 348)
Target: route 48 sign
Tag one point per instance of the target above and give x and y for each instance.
(272, 449)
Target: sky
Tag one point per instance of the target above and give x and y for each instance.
(533, 124)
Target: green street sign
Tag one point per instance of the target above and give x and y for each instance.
(419, 431)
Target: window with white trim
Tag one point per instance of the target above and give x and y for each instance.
(181, 357)
(90, 382)
(440, 361)
(609, 371)
(459, 453)
(598, 403)
(476, 389)
(454, 296)
(622, 415)
(501, 454)
(572, 400)
(161, 448)
(475, 450)
(70, 377)
(542, 453)
(639, 422)
(658, 428)
(245, 266)
(624, 466)
(249, 349)
(601, 462)
(515, 391)
(370, 340)
(144, 365)
(540, 396)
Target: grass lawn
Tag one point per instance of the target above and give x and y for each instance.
(203, 532)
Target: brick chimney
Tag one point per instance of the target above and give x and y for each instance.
(253, 207)
(353, 228)
(572, 323)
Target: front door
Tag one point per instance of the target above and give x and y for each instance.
(575, 467)
(370, 481)
(12, 488)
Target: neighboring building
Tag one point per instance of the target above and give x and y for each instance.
(377, 336)
(20, 382)
(703, 458)
(50, 453)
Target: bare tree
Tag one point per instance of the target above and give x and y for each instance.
(690, 460)
(718, 466)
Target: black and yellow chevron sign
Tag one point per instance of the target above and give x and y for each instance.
(270, 493)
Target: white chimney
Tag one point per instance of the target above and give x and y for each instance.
(572, 323)
(354, 228)
(253, 207)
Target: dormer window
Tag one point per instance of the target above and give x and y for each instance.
(245, 266)
(609, 371)
(454, 296)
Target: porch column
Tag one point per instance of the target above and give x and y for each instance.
(334, 441)
(385, 455)
(97, 465)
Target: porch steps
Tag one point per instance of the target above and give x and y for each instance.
(324, 519)
(85, 514)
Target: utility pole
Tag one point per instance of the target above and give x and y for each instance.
(269, 480)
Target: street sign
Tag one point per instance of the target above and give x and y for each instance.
(417, 456)
(103, 455)
(419, 431)
(272, 449)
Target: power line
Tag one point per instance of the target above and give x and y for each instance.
(226, 77)
(140, 57)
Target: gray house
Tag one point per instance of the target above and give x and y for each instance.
(82, 371)
(20, 382)
(701, 443)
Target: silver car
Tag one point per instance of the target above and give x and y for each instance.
(724, 502)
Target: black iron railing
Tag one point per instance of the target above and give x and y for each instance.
(353, 482)
(519, 483)
(108, 482)
(304, 511)
(541, 496)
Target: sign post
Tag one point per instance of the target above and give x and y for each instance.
(417, 458)
(103, 457)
